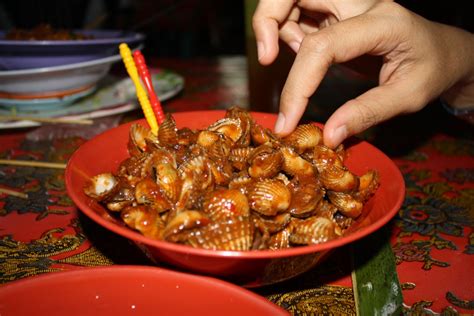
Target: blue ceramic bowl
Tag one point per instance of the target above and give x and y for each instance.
(30, 54)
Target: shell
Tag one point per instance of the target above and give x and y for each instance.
(273, 224)
(280, 240)
(305, 198)
(341, 152)
(133, 165)
(242, 183)
(269, 197)
(224, 203)
(220, 149)
(207, 138)
(260, 135)
(338, 179)
(346, 203)
(184, 221)
(324, 157)
(123, 196)
(221, 172)
(304, 137)
(186, 136)
(342, 221)
(293, 164)
(101, 186)
(157, 157)
(196, 177)
(265, 162)
(137, 136)
(168, 132)
(246, 122)
(283, 177)
(239, 157)
(148, 192)
(169, 181)
(145, 220)
(368, 184)
(235, 234)
(230, 127)
(313, 230)
(325, 209)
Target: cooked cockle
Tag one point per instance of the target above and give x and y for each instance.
(265, 162)
(239, 157)
(346, 203)
(245, 124)
(230, 127)
(260, 135)
(242, 183)
(183, 222)
(145, 220)
(148, 192)
(294, 164)
(304, 137)
(269, 197)
(168, 132)
(101, 186)
(306, 195)
(313, 230)
(235, 233)
(368, 184)
(222, 204)
(137, 141)
(234, 186)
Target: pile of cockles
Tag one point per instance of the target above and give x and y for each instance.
(234, 186)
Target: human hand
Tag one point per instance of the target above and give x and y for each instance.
(292, 20)
(421, 60)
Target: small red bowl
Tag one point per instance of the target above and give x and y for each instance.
(248, 268)
(129, 290)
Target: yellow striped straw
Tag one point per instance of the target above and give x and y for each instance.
(141, 93)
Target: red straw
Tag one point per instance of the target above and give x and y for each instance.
(146, 78)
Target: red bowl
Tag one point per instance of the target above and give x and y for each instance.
(128, 290)
(248, 268)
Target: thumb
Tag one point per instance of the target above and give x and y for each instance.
(371, 108)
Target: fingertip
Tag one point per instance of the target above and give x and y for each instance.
(287, 120)
(283, 125)
(261, 51)
(280, 123)
(295, 46)
(334, 136)
(267, 51)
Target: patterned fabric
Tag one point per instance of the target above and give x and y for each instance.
(432, 235)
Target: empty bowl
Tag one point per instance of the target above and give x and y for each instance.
(129, 290)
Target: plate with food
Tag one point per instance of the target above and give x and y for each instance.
(44, 46)
(216, 192)
(113, 95)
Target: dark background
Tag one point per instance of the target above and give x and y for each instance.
(180, 28)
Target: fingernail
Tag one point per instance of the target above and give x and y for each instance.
(295, 46)
(280, 123)
(339, 134)
(260, 50)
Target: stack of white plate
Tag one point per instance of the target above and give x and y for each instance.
(44, 74)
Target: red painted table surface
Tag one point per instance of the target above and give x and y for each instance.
(432, 236)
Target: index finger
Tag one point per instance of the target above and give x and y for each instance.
(337, 43)
(266, 20)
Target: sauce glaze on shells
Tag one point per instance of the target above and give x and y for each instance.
(234, 186)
